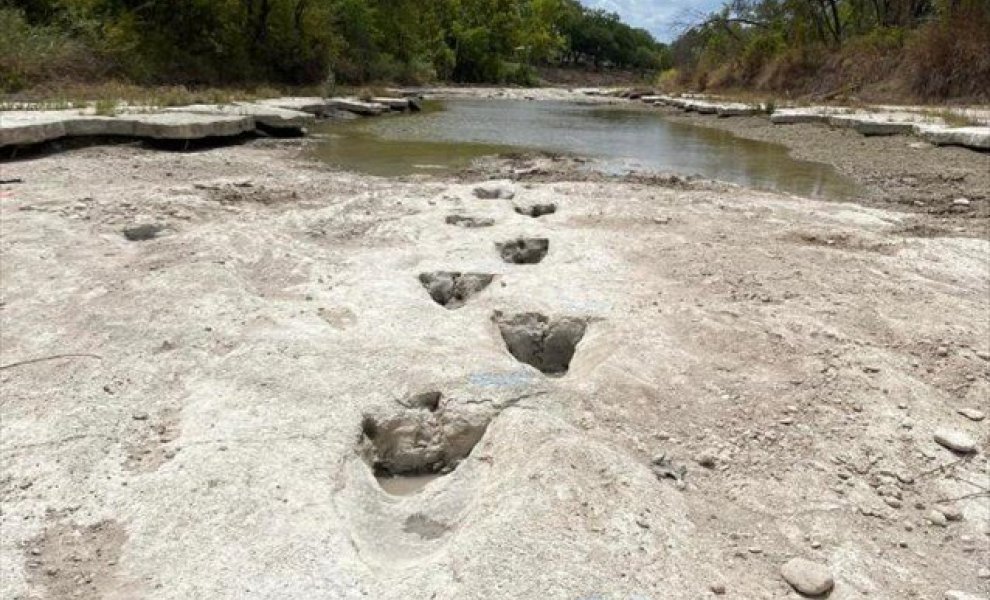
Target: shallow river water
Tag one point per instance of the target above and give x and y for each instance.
(449, 134)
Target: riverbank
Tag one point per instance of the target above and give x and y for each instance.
(898, 171)
(206, 354)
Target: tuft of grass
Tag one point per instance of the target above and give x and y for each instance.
(105, 107)
(950, 117)
(68, 95)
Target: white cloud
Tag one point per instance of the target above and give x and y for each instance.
(660, 17)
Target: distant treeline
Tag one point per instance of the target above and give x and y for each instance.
(230, 42)
(926, 49)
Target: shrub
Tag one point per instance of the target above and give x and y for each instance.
(30, 54)
(951, 59)
(669, 80)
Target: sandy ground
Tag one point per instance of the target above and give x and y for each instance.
(759, 378)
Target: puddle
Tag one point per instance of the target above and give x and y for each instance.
(449, 135)
(405, 485)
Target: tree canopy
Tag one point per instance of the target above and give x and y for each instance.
(939, 48)
(303, 41)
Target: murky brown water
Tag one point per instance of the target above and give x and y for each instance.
(406, 485)
(451, 134)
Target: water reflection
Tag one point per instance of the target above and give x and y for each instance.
(623, 138)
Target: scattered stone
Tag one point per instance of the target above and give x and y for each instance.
(960, 202)
(143, 233)
(707, 460)
(536, 210)
(951, 513)
(717, 588)
(942, 351)
(956, 441)
(140, 416)
(494, 191)
(807, 577)
(469, 222)
(983, 573)
(937, 519)
(957, 595)
(972, 414)
(664, 468)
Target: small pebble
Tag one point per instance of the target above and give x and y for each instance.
(972, 414)
(707, 460)
(937, 519)
(951, 513)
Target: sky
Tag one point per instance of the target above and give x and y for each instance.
(659, 17)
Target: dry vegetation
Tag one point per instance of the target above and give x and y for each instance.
(925, 52)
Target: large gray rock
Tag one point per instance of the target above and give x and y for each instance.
(32, 127)
(956, 441)
(313, 105)
(28, 127)
(790, 116)
(737, 109)
(872, 124)
(807, 577)
(188, 126)
(494, 190)
(392, 103)
(970, 137)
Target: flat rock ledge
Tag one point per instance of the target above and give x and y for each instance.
(931, 129)
(883, 121)
(18, 128)
(271, 117)
(193, 122)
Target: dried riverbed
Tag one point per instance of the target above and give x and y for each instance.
(661, 388)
